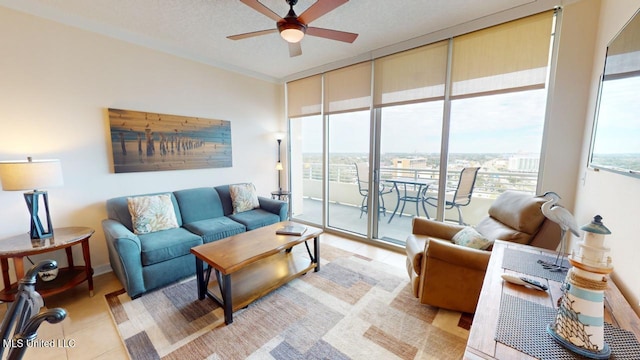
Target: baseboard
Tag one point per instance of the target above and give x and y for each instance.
(102, 269)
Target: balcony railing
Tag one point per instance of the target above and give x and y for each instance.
(488, 184)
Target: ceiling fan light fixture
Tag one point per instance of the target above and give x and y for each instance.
(292, 32)
(293, 29)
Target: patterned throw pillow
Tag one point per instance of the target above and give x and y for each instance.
(469, 237)
(243, 197)
(152, 213)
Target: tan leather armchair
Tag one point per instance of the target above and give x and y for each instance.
(450, 276)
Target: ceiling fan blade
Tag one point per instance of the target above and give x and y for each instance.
(318, 9)
(332, 34)
(295, 49)
(259, 7)
(251, 34)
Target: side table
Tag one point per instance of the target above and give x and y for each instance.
(19, 246)
(280, 194)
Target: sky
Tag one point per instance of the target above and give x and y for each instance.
(618, 122)
(505, 123)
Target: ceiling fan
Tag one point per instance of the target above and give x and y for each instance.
(292, 27)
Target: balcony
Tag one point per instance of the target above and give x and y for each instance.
(344, 198)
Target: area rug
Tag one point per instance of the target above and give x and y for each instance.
(353, 308)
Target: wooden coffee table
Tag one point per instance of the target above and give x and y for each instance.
(260, 261)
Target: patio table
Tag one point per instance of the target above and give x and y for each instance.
(419, 185)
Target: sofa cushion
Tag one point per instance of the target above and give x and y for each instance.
(215, 229)
(256, 218)
(243, 197)
(225, 198)
(118, 209)
(199, 204)
(167, 244)
(469, 237)
(151, 213)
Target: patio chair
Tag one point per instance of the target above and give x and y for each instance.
(362, 175)
(461, 196)
(23, 316)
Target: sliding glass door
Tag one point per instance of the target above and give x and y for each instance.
(307, 174)
(348, 151)
(410, 142)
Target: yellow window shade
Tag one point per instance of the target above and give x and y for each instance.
(504, 57)
(348, 88)
(304, 96)
(623, 54)
(411, 76)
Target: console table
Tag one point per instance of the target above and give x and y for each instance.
(482, 343)
(19, 246)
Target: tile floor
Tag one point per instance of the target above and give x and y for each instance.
(91, 331)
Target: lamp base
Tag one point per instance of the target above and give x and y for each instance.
(37, 230)
(605, 353)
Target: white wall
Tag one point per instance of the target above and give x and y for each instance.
(569, 90)
(615, 197)
(55, 84)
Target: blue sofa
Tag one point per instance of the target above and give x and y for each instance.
(147, 261)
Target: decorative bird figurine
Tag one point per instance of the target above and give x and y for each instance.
(561, 216)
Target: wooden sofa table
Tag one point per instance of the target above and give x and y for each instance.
(19, 246)
(259, 260)
(482, 343)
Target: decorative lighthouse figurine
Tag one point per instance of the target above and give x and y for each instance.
(579, 322)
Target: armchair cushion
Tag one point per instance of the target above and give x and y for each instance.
(469, 237)
(519, 212)
(494, 229)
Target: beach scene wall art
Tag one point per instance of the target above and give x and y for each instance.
(143, 141)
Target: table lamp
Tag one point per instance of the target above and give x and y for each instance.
(33, 175)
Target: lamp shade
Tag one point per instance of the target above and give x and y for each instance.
(30, 175)
(279, 135)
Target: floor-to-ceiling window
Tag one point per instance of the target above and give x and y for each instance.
(348, 148)
(347, 100)
(409, 92)
(306, 149)
(410, 142)
(498, 98)
(306, 164)
(474, 100)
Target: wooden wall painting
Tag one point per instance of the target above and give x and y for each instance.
(143, 141)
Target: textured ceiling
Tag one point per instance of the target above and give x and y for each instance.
(197, 29)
